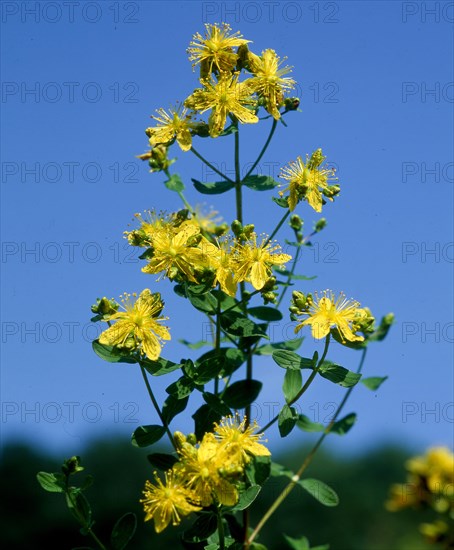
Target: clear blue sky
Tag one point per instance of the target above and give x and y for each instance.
(376, 84)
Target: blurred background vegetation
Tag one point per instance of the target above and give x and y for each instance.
(32, 518)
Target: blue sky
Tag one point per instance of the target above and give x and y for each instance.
(79, 82)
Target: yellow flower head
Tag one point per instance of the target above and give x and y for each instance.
(149, 224)
(233, 434)
(138, 325)
(209, 221)
(224, 97)
(165, 503)
(253, 262)
(215, 51)
(176, 252)
(328, 312)
(436, 466)
(309, 181)
(176, 124)
(201, 469)
(269, 81)
(220, 259)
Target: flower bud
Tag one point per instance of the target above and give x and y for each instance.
(104, 306)
(72, 466)
(269, 297)
(248, 230)
(291, 103)
(237, 228)
(320, 224)
(299, 299)
(331, 191)
(296, 223)
(269, 285)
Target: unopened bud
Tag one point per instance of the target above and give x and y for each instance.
(296, 223)
(292, 103)
(320, 224)
(72, 465)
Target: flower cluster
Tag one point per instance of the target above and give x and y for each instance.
(206, 473)
(221, 57)
(341, 317)
(429, 484)
(190, 250)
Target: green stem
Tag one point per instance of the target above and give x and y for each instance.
(204, 160)
(307, 384)
(217, 341)
(221, 530)
(278, 226)
(264, 148)
(238, 194)
(306, 462)
(156, 406)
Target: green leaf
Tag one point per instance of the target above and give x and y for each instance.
(144, 436)
(204, 526)
(173, 406)
(53, 483)
(268, 349)
(242, 393)
(174, 183)
(297, 544)
(293, 382)
(373, 382)
(204, 418)
(111, 353)
(208, 369)
(290, 360)
(247, 497)
(203, 302)
(277, 470)
(344, 425)
(195, 345)
(320, 491)
(281, 201)
(216, 404)
(162, 461)
(291, 275)
(339, 375)
(230, 359)
(260, 183)
(236, 324)
(79, 505)
(265, 313)
(258, 469)
(160, 367)
(181, 388)
(123, 531)
(305, 423)
(287, 420)
(215, 188)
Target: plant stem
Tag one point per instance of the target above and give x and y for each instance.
(264, 148)
(221, 530)
(308, 381)
(156, 406)
(306, 462)
(278, 226)
(217, 341)
(204, 160)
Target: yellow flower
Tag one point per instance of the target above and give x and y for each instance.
(327, 312)
(269, 81)
(172, 125)
(174, 254)
(201, 469)
(309, 181)
(436, 466)
(232, 433)
(215, 51)
(167, 503)
(138, 326)
(227, 96)
(253, 262)
(220, 260)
